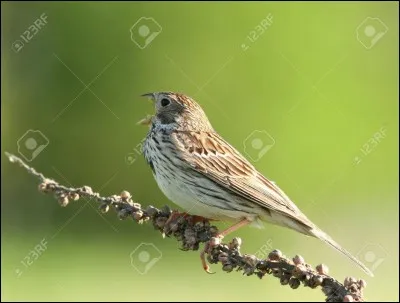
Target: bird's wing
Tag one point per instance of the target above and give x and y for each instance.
(212, 156)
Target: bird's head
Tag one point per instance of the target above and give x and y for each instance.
(178, 112)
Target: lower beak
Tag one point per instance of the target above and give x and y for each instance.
(145, 121)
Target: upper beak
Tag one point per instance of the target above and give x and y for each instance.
(150, 95)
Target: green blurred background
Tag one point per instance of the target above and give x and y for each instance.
(316, 92)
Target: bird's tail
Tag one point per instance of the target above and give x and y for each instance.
(327, 239)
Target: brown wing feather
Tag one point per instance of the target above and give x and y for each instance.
(216, 159)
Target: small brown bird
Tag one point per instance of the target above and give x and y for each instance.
(202, 173)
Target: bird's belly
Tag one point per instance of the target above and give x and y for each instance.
(200, 197)
(174, 191)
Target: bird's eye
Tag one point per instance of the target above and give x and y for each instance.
(164, 102)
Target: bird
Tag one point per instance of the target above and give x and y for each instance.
(202, 173)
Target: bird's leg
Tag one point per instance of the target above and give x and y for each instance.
(234, 227)
(210, 244)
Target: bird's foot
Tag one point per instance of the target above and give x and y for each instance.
(215, 241)
(208, 246)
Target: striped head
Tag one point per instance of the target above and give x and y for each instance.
(176, 111)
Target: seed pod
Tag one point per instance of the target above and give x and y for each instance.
(213, 230)
(315, 281)
(42, 187)
(227, 267)
(178, 236)
(190, 240)
(166, 209)
(115, 198)
(160, 222)
(74, 196)
(125, 195)
(215, 241)
(329, 291)
(123, 214)
(305, 279)
(362, 283)
(277, 272)
(224, 247)
(348, 298)
(322, 269)
(294, 283)
(136, 205)
(181, 220)
(318, 280)
(198, 225)
(63, 200)
(298, 271)
(223, 257)
(235, 243)
(275, 255)
(189, 232)
(353, 288)
(47, 185)
(250, 260)
(352, 280)
(298, 260)
(137, 215)
(173, 227)
(87, 189)
(151, 210)
(248, 270)
(284, 280)
(222, 253)
(104, 208)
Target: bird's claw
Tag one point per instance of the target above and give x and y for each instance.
(206, 268)
(215, 241)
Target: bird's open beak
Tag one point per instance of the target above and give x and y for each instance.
(147, 120)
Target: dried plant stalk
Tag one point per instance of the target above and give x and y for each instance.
(190, 231)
